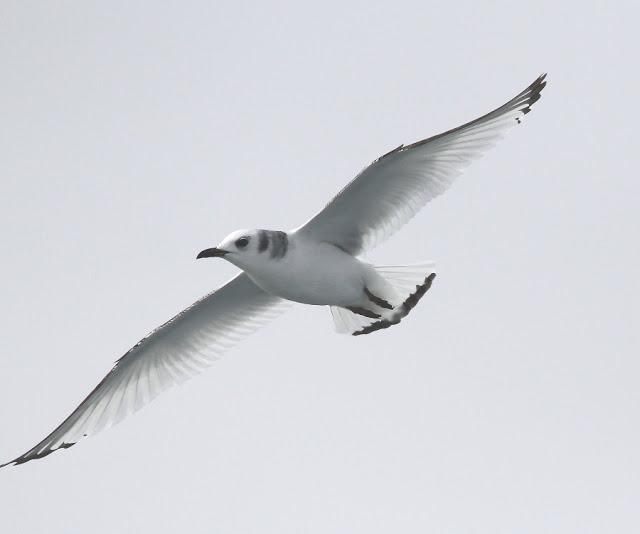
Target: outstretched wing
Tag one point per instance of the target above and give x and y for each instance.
(391, 190)
(179, 349)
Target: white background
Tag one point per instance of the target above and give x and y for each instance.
(134, 134)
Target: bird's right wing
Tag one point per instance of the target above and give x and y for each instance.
(172, 353)
(396, 186)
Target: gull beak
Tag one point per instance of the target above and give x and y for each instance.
(212, 253)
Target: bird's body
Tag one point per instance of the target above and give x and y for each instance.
(310, 272)
(317, 263)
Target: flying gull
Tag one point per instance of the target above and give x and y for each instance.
(316, 263)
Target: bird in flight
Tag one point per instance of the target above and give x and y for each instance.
(316, 263)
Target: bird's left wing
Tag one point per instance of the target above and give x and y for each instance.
(396, 186)
(177, 350)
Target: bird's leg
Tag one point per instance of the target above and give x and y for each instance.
(377, 300)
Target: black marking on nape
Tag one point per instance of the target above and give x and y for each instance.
(263, 240)
(518, 120)
(377, 300)
(404, 310)
(364, 312)
(279, 243)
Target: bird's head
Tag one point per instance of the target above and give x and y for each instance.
(245, 248)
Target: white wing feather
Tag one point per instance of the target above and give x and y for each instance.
(391, 190)
(174, 352)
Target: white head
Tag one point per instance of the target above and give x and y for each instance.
(245, 248)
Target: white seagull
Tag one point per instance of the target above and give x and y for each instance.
(316, 263)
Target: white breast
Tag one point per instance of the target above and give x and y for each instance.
(312, 273)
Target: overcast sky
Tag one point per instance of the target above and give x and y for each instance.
(135, 134)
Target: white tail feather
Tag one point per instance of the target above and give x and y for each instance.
(403, 278)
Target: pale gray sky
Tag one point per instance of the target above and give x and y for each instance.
(135, 134)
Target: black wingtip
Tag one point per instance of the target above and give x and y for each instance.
(27, 457)
(532, 93)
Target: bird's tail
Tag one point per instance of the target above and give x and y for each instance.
(409, 283)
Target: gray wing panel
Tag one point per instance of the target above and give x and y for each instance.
(391, 190)
(177, 350)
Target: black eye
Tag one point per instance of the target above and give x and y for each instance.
(242, 242)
